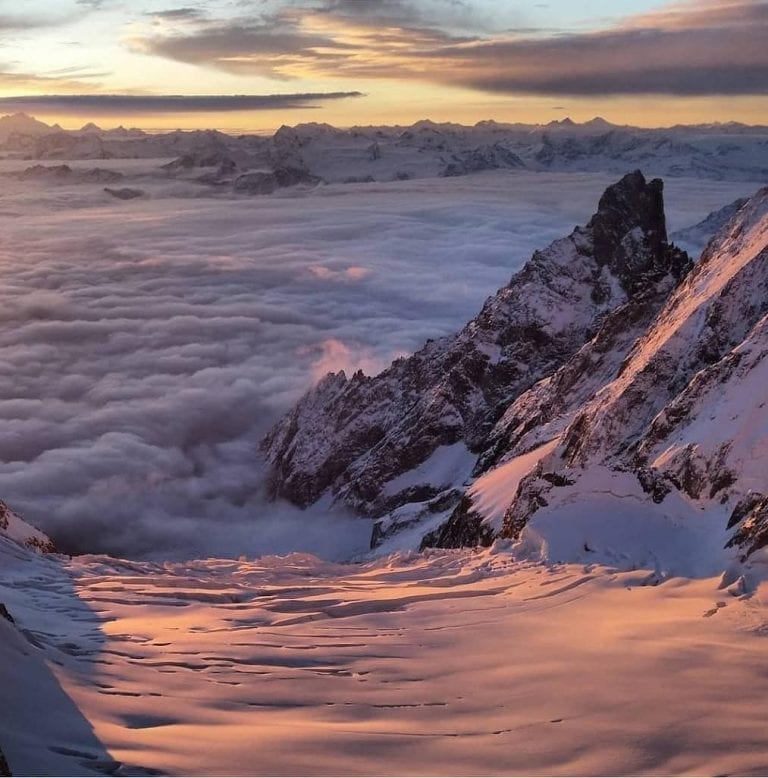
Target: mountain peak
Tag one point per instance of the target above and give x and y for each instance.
(631, 201)
(598, 121)
(430, 414)
(630, 232)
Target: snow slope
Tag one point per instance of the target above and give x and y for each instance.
(14, 527)
(448, 663)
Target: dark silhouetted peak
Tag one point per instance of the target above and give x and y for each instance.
(630, 203)
(629, 232)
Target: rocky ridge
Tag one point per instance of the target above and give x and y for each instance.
(404, 441)
(684, 415)
(606, 383)
(14, 527)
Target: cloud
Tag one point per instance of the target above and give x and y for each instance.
(33, 14)
(293, 40)
(691, 48)
(177, 14)
(157, 104)
(351, 273)
(146, 347)
(11, 78)
(335, 355)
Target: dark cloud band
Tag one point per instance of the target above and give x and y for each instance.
(715, 47)
(158, 104)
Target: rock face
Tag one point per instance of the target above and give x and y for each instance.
(15, 528)
(399, 445)
(685, 416)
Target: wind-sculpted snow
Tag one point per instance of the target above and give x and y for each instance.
(445, 663)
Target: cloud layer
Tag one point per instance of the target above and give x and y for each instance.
(710, 47)
(156, 104)
(146, 346)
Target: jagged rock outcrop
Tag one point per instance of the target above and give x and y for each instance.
(15, 528)
(357, 438)
(685, 415)
(708, 316)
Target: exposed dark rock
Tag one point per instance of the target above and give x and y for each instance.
(413, 514)
(353, 436)
(265, 182)
(653, 483)
(5, 614)
(751, 513)
(5, 770)
(465, 527)
(125, 193)
(255, 183)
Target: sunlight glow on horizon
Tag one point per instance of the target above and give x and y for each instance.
(404, 68)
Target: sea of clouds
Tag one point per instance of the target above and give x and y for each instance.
(146, 346)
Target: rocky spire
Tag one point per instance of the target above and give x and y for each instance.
(354, 438)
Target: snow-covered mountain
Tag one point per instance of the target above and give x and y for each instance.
(425, 149)
(683, 422)
(23, 124)
(14, 527)
(604, 376)
(662, 448)
(402, 441)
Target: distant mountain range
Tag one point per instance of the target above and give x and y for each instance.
(314, 153)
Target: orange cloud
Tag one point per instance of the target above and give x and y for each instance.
(702, 48)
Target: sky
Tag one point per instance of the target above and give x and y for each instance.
(350, 62)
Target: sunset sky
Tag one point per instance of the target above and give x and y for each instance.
(351, 62)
